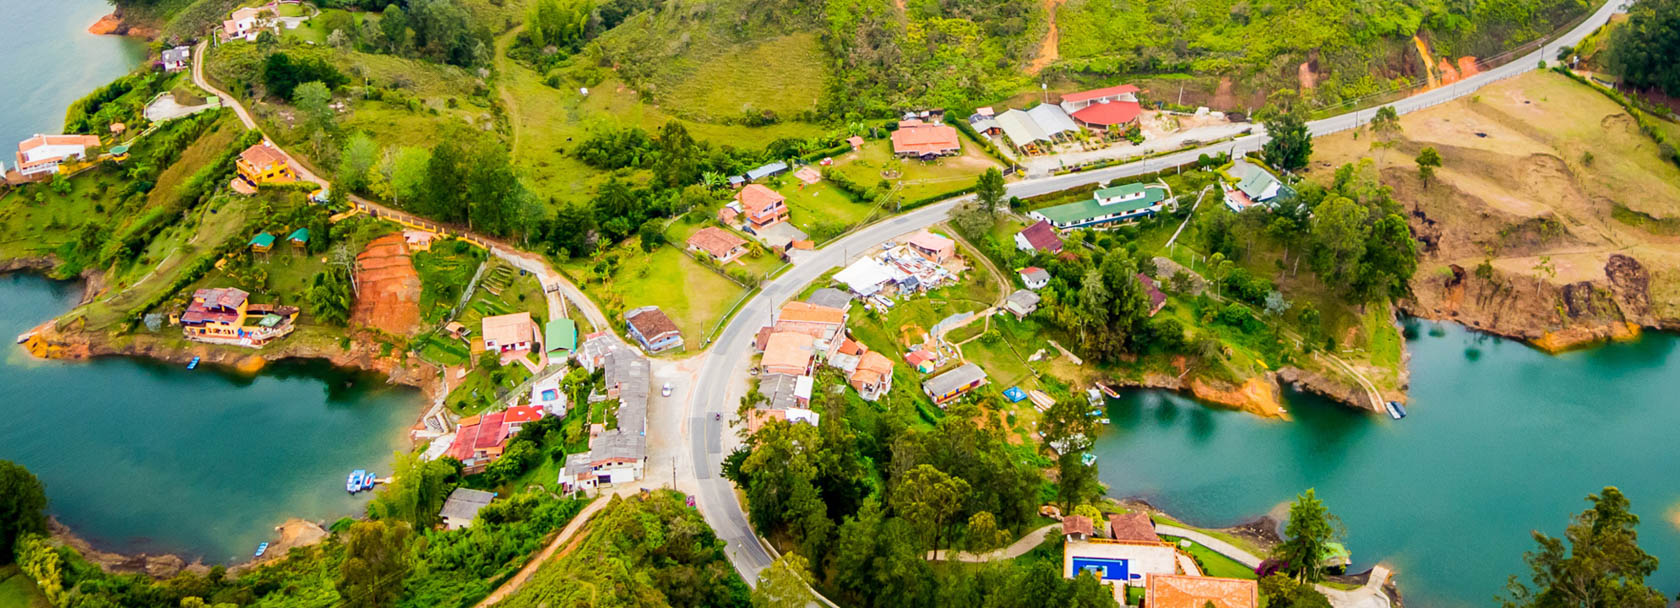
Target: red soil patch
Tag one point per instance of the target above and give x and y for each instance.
(388, 289)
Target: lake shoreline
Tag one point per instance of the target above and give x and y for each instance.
(49, 342)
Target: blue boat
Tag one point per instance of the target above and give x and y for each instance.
(261, 549)
(1088, 459)
(368, 481)
(193, 363)
(354, 484)
(1395, 410)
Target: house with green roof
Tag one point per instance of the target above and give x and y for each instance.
(262, 242)
(1116, 204)
(1254, 186)
(560, 337)
(299, 237)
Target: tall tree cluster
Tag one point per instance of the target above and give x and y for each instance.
(1598, 562)
(1643, 50)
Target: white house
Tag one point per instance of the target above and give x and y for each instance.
(176, 59)
(243, 24)
(42, 154)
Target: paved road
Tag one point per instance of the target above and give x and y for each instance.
(720, 383)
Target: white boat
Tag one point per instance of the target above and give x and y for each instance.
(354, 483)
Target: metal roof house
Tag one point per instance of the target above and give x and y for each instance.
(769, 170)
(1256, 186)
(1116, 204)
(950, 385)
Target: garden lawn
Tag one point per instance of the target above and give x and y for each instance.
(917, 179)
(1214, 563)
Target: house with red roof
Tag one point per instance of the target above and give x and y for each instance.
(719, 244)
(1157, 300)
(873, 376)
(479, 440)
(761, 207)
(1039, 237)
(914, 139)
(1106, 109)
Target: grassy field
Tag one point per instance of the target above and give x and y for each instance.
(17, 591)
(694, 296)
(29, 228)
(547, 122)
(814, 207)
(783, 75)
(914, 178)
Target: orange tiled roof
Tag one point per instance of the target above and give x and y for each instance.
(1175, 591)
(262, 155)
(806, 312)
(925, 139)
(755, 198)
(715, 241)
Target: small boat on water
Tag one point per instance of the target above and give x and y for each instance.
(1088, 459)
(368, 481)
(354, 484)
(261, 549)
(193, 364)
(1395, 410)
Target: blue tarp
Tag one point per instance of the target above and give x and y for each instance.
(1014, 394)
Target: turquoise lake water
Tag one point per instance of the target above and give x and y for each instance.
(144, 456)
(50, 61)
(1501, 440)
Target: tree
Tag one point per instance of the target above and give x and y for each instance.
(1603, 565)
(376, 560)
(329, 296)
(983, 533)
(442, 194)
(314, 100)
(1385, 124)
(972, 220)
(1338, 238)
(651, 236)
(1427, 161)
(408, 175)
(1543, 269)
(1642, 51)
(23, 505)
(928, 498)
(38, 560)
(1279, 591)
(1289, 146)
(1307, 538)
(1390, 259)
(784, 583)
(355, 165)
(989, 190)
(417, 492)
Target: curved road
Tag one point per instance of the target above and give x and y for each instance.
(720, 384)
(721, 380)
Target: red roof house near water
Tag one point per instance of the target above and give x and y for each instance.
(479, 439)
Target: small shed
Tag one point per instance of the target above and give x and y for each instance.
(262, 242)
(856, 142)
(299, 238)
(462, 506)
(1015, 394)
(560, 337)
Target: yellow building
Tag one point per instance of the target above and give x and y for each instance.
(219, 316)
(264, 164)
